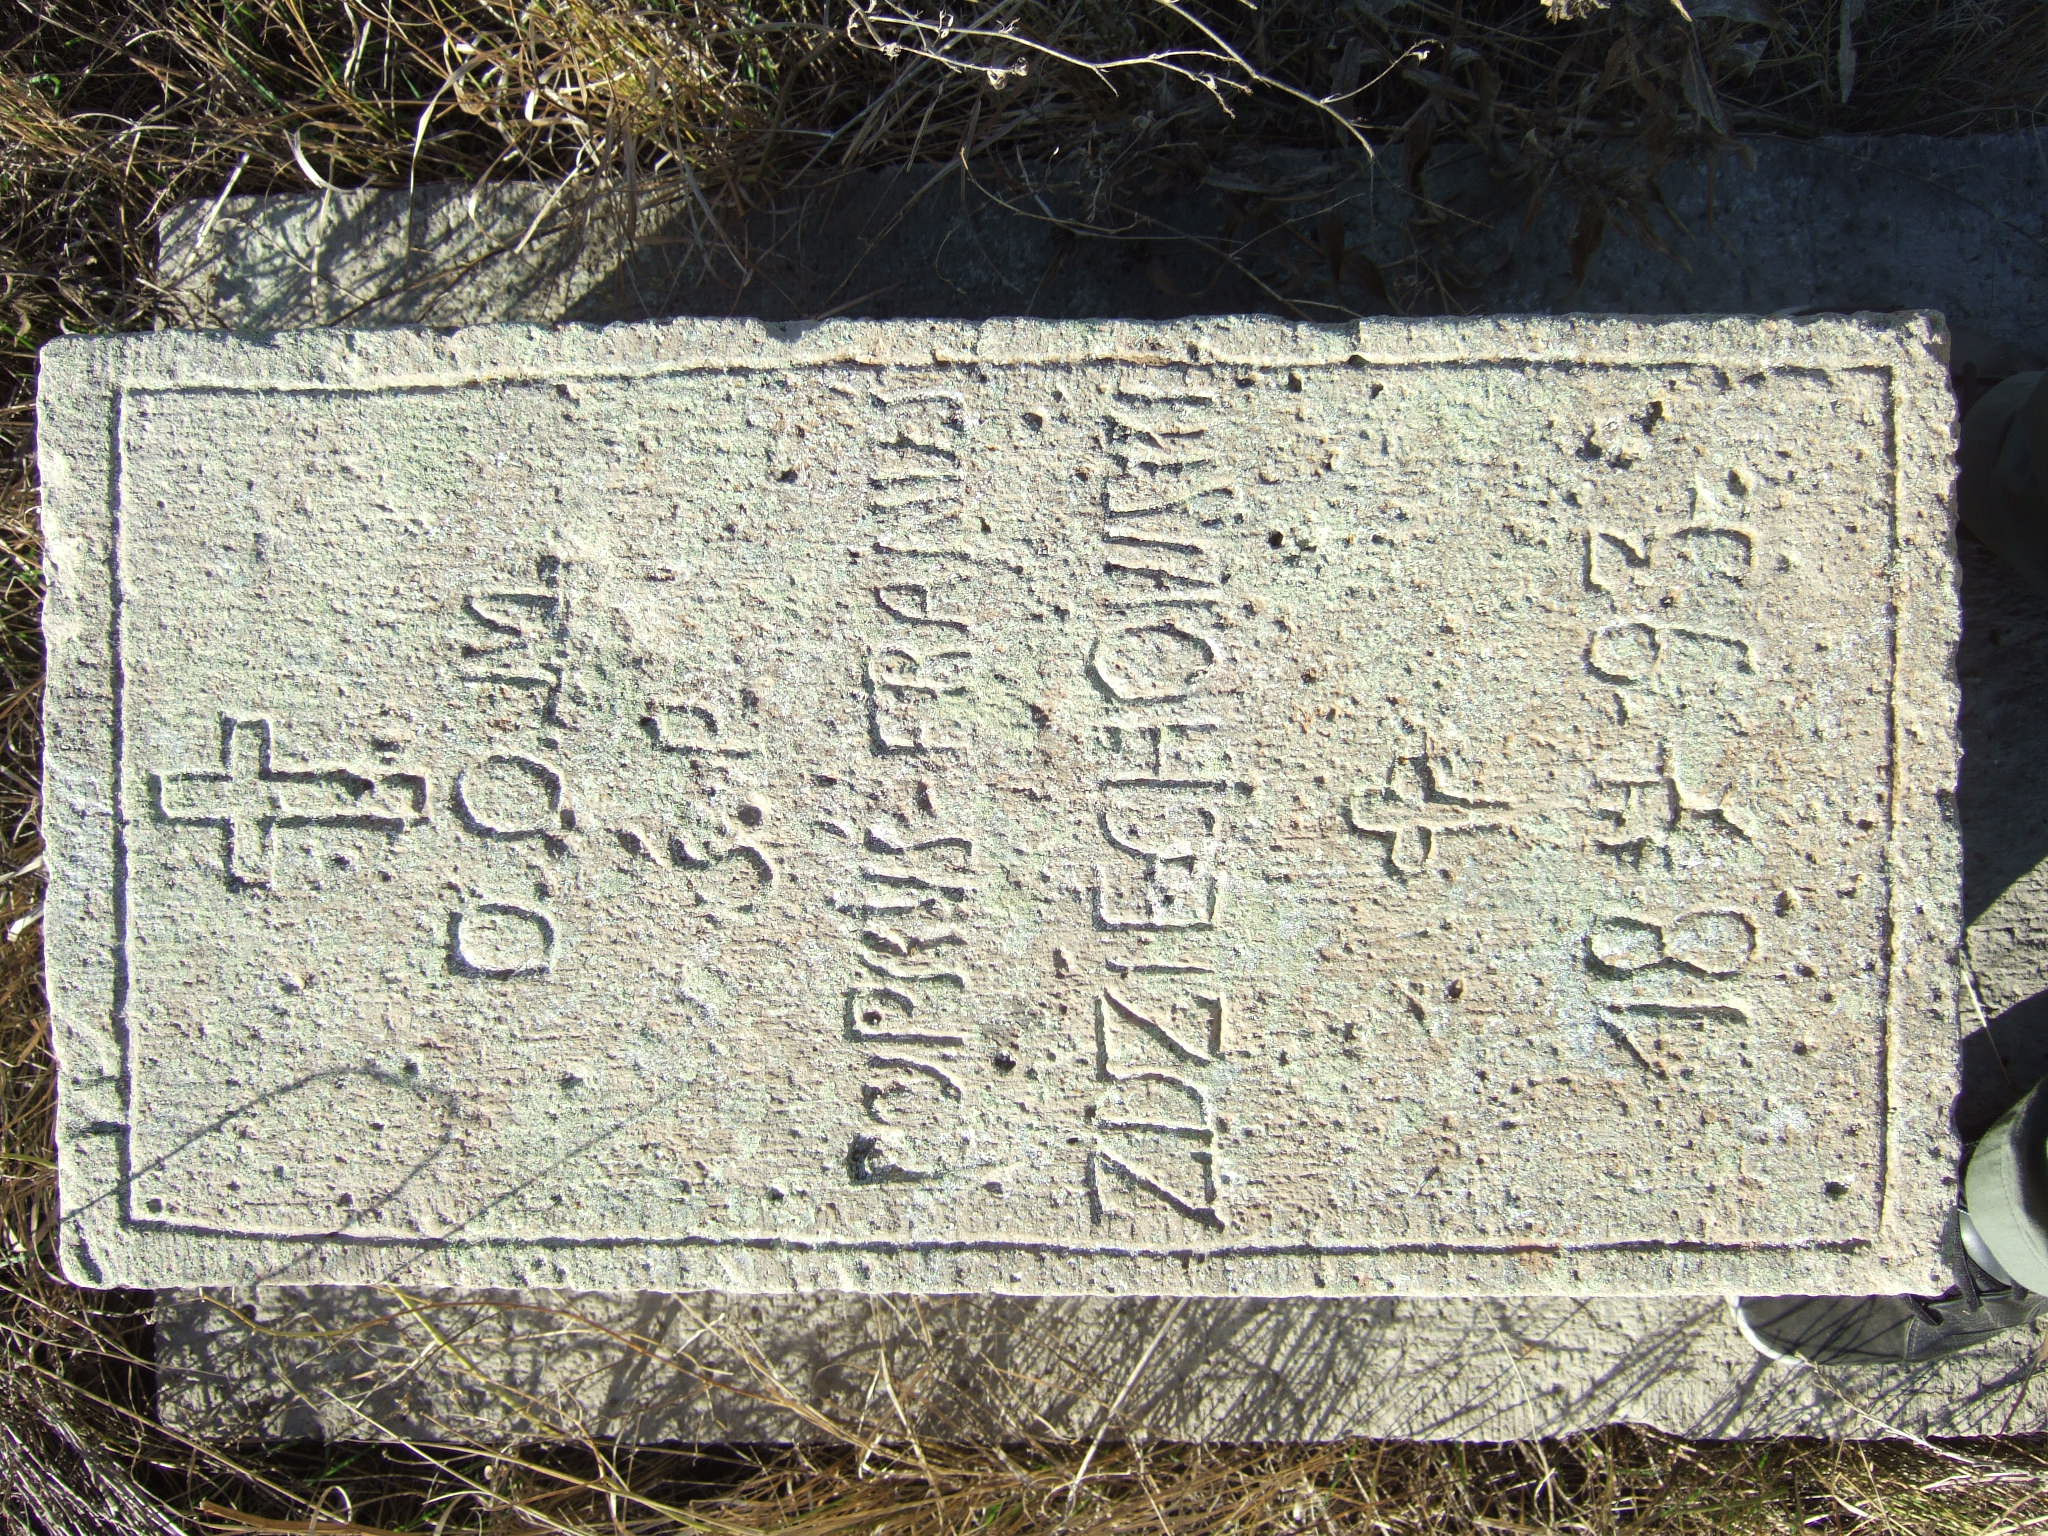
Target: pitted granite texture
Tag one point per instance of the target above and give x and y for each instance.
(1225, 808)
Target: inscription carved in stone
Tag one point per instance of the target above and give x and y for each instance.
(1228, 807)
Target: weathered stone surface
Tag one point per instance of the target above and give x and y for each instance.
(354, 1363)
(1220, 808)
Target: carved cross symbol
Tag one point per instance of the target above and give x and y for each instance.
(1424, 800)
(251, 797)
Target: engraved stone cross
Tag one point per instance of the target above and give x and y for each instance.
(251, 796)
(1423, 801)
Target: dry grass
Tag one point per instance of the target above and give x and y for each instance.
(1617, 1482)
(111, 111)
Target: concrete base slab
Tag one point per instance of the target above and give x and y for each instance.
(1959, 225)
(495, 1366)
(1973, 253)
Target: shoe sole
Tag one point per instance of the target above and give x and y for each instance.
(1756, 1340)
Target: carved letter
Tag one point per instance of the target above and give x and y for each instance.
(501, 940)
(1152, 663)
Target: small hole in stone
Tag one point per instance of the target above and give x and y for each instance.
(750, 815)
(1004, 1061)
(1834, 1189)
(1276, 538)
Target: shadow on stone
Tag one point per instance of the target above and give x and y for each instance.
(496, 1366)
(2002, 800)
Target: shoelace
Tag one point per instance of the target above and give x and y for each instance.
(1972, 1285)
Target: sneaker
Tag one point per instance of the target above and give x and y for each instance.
(1893, 1330)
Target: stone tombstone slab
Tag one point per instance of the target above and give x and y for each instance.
(1222, 808)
